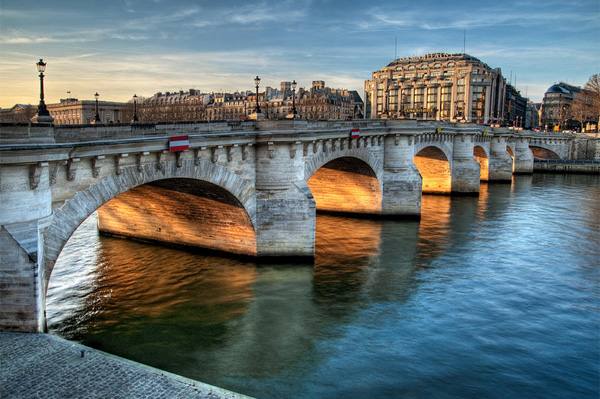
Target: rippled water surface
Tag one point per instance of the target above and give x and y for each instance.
(496, 297)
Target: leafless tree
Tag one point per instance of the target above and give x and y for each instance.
(593, 87)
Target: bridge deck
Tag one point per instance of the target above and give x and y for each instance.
(46, 366)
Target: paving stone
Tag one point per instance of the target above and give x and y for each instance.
(47, 366)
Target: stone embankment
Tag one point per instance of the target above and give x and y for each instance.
(567, 166)
(47, 366)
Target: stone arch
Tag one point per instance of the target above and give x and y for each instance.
(542, 152)
(482, 157)
(434, 166)
(318, 160)
(74, 211)
(346, 184)
(446, 148)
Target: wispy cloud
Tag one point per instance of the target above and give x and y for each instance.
(257, 13)
(485, 17)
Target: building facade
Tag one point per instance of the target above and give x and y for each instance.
(515, 107)
(317, 103)
(71, 111)
(438, 86)
(19, 113)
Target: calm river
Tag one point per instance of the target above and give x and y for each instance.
(489, 297)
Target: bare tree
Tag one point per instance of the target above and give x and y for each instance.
(593, 87)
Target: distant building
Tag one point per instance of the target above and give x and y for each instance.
(19, 113)
(71, 111)
(439, 86)
(557, 104)
(532, 115)
(515, 107)
(320, 102)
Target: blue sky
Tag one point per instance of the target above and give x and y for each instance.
(123, 47)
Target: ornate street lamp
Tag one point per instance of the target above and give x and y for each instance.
(294, 112)
(97, 116)
(42, 115)
(135, 116)
(257, 83)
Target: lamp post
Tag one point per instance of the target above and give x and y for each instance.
(257, 83)
(42, 115)
(97, 116)
(135, 116)
(294, 112)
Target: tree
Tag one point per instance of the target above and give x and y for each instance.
(585, 107)
(593, 88)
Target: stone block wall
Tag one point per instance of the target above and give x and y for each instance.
(346, 185)
(182, 212)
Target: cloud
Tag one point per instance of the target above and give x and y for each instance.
(257, 13)
(485, 17)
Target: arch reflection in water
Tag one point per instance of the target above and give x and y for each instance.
(180, 310)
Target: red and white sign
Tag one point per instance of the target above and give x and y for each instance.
(179, 143)
(355, 133)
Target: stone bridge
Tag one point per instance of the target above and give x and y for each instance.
(250, 188)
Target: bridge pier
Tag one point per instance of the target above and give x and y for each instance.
(285, 208)
(401, 180)
(523, 161)
(500, 162)
(465, 177)
(26, 209)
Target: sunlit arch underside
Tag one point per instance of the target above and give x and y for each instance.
(434, 167)
(346, 185)
(181, 211)
(482, 159)
(543, 153)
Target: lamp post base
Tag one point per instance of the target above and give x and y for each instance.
(42, 118)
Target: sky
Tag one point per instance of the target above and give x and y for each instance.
(121, 47)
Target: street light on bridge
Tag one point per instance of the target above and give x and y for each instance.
(257, 83)
(97, 116)
(135, 116)
(42, 114)
(294, 84)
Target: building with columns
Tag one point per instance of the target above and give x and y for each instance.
(71, 111)
(437, 86)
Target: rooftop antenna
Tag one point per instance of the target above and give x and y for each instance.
(395, 47)
(510, 80)
(464, 41)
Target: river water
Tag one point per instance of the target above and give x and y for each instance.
(496, 297)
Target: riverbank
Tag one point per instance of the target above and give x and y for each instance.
(47, 366)
(562, 166)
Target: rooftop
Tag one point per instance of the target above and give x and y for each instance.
(433, 57)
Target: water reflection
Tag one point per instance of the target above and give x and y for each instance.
(481, 291)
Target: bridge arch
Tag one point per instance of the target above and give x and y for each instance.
(321, 158)
(541, 152)
(482, 157)
(132, 185)
(434, 166)
(346, 183)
